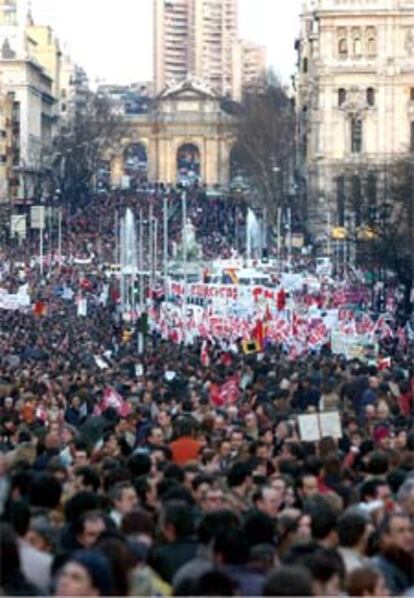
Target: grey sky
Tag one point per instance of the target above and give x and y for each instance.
(112, 39)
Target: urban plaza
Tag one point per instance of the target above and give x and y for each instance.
(207, 298)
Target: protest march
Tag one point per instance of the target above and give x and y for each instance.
(190, 438)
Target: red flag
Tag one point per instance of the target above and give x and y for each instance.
(258, 333)
(229, 392)
(40, 308)
(281, 300)
(111, 398)
(384, 364)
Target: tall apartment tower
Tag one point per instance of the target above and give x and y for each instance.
(355, 102)
(199, 38)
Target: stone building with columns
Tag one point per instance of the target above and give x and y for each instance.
(355, 103)
(186, 134)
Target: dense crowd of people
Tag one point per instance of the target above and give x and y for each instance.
(127, 474)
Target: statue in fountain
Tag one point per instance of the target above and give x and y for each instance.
(189, 239)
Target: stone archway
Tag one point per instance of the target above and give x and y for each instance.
(135, 162)
(188, 163)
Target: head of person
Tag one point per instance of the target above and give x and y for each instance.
(214, 523)
(327, 570)
(139, 525)
(268, 500)
(288, 581)
(307, 486)
(366, 581)
(323, 521)
(80, 455)
(374, 489)
(353, 529)
(396, 531)
(45, 491)
(41, 534)
(231, 547)
(236, 440)
(155, 436)
(214, 499)
(124, 497)
(405, 497)
(215, 583)
(239, 476)
(89, 527)
(85, 573)
(86, 478)
(177, 521)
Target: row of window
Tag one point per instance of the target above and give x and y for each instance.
(370, 96)
(356, 43)
(357, 135)
(358, 192)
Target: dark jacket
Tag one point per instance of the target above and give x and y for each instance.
(168, 558)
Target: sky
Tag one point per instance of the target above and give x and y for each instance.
(112, 39)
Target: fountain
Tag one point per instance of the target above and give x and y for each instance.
(253, 235)
(128, 245)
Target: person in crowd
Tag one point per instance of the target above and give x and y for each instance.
(187, 467)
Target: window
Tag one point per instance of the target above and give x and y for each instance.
(412, 137)
(371, 189)
(356, 135)
(371, 96)
(340, 199)
(357, 46)
(357, 199)
(343, 48)
(63, 108)
(341, 96)
(372, 46)
(412, 94)
(371, 41)
(305, 65)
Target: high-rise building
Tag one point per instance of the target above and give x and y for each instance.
(355, 102)
(252, 64)
(199, 38)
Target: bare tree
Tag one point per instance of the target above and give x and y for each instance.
(391, 223)
(81, 145)
(265, 146)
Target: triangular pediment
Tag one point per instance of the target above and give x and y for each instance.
(189, 89)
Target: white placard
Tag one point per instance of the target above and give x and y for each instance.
(330, 424)
(309, 427)
(18, 225)
(37, 217)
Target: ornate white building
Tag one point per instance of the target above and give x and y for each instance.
(355, 101)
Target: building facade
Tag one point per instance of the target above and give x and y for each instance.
(6, 138)
(355, 103)
(251, 64)
(200, 38)
(186, 133)
(29, 89)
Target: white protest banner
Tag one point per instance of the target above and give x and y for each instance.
(330, 424)
(18, 225)
(37, 217)
(314, 426)
(309, 427)
(82, 308)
